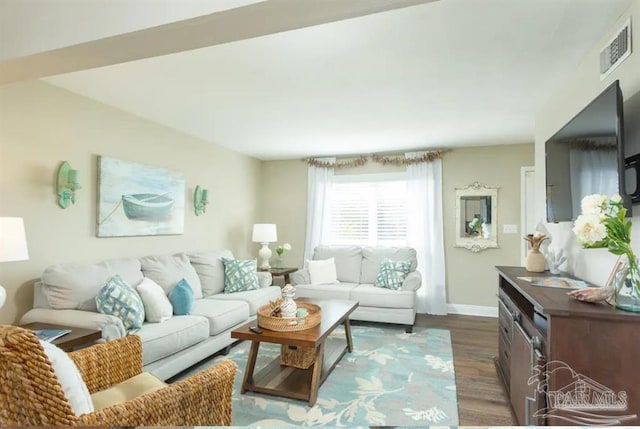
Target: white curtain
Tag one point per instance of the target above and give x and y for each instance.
(425, 231)
(319, 183)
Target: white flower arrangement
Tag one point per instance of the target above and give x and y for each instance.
(283, 248)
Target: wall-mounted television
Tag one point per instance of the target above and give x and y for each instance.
(631, 139)
(587, 157)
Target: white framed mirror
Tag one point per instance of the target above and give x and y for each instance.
(477, 217)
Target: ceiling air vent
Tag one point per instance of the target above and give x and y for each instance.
(616, 51)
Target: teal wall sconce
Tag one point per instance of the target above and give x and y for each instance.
(67, 185)
(200, 200)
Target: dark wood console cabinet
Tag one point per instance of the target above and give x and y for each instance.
(555, 351)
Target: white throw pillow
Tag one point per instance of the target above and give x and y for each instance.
(157, 306)
(322, 271)
(69, 377)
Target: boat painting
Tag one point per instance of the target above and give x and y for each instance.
(147, 206)
(137, 199)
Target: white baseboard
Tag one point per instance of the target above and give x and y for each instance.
(472, 310)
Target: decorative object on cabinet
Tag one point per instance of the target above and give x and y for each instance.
(535, 259)
(264, 233)
(138, 199)
(200, 200)
(13, 245)
(554, 260)
(66, 185)
(603, 223)
(477, 217)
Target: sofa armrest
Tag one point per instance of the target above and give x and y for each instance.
(413, 281)
(264, 279)
(104, 365)
(300, 277)
(204, 399)
(111, 327)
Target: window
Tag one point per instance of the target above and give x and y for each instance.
(369, 210)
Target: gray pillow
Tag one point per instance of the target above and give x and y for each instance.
(167, 270)
(210, 269)
(348, 261)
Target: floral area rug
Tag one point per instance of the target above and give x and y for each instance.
(391, 379)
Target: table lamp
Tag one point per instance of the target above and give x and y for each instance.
(264, 233)
(13, 245)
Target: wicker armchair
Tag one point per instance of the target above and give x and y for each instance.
(30, 393)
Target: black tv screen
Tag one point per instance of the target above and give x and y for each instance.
(631, 141)
(586, 157)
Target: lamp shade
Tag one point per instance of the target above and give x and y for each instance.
(264, 233)
(13, 241)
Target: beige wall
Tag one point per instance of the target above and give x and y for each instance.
(471, 277)
(572, 96)
(41, 125)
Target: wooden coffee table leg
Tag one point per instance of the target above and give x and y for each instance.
(347, 332)
(315, 375)
(251, 363)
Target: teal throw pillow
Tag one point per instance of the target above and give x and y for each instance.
(240, 276)
(119, 299)
(181, 298)
(392, 274)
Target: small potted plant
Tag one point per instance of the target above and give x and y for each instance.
(280, 252)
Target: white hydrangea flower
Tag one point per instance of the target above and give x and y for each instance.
(589, 229)
(592, 204)
(616, 198)
(286, 246)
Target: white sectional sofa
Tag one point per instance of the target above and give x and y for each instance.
(66, 296)
(357, 268)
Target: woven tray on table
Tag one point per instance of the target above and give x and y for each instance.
(266, 321)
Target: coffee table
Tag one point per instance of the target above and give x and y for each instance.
(68, 342)
(296, 383)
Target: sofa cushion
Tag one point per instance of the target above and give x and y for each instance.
(157, 307)
(70, 286)
(119, 299)
(372, 258)
(348, 261)
(335, 291)
(129, 389)
(222, 315)
(368, 295)
(181, 298)
(392, 274)
(322, 272)
(167, 270)
(240, 275)
(255, 298)
(160, 340)
(210, 269)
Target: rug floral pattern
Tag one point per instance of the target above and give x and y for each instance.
(391, 379)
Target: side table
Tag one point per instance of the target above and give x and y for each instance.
(282, 272)
(76, 338)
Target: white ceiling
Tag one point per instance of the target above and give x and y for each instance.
(444, 74)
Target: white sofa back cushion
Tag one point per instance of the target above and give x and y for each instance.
(210, 269)
(167, 270)
(323, 271)
(372, 258)
(348, 261)
(76, 286)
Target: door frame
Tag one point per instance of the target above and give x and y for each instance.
(525, 200)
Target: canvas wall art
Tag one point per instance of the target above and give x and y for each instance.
(138, 199)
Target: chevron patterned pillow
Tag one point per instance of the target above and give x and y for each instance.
(119, 299)
(392, 274)
(240, 276)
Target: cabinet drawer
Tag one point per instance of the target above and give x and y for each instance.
(505, 321)
(504, 357)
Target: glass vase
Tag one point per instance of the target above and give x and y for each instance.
(627, 283)
(279, 262)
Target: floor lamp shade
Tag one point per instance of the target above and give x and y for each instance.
(13, 245)
(264, 233)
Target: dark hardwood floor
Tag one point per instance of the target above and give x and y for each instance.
(481, 399)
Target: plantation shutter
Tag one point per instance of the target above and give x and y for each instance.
(369, 213)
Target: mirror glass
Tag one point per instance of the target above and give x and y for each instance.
(476, 217)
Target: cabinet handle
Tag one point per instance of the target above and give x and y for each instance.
(515, 316)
